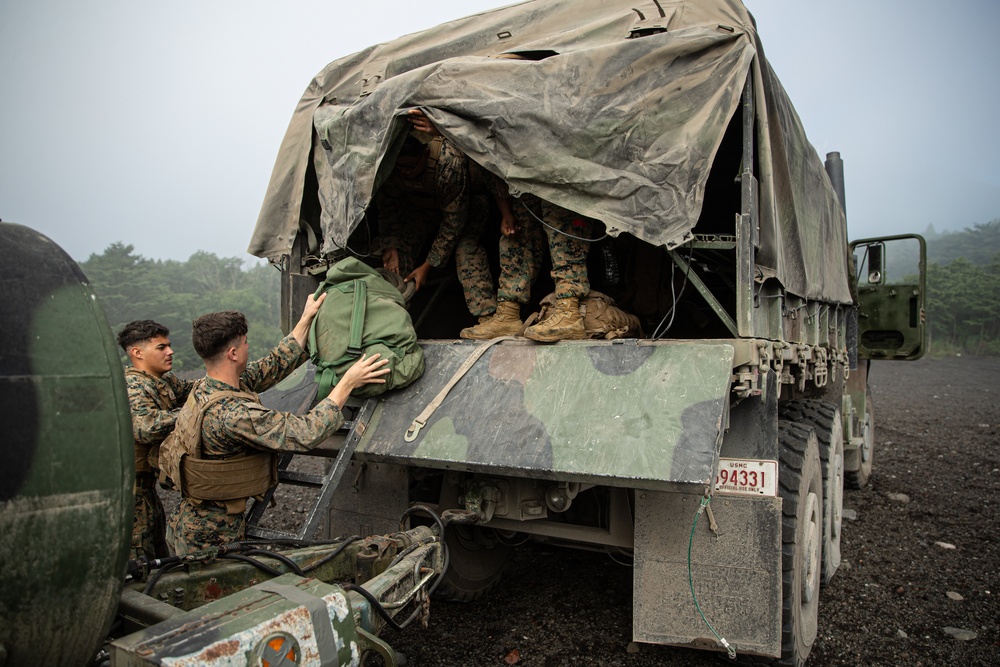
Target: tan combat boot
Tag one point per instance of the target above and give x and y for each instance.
(506, 321)
(563, 322)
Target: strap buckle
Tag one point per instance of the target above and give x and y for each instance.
(411, 433)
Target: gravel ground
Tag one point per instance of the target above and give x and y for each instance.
(920, 579)
(919, 584)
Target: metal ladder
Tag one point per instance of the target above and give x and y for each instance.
(340, 446)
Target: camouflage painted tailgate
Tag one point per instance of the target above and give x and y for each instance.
(644, 415)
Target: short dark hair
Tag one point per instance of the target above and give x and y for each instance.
(140, 331)
(212, 333)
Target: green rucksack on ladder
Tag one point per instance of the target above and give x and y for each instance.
(362, 313)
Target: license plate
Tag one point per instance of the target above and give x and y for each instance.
(749, 477)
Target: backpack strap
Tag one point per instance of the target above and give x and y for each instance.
(358, 317)
(326, 376)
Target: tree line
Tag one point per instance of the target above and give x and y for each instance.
(963, 290)
(173, 293)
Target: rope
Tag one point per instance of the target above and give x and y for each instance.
(729, 649)
(559, 231)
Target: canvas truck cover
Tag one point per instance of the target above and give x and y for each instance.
(603, 114)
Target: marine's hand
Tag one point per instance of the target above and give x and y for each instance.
(390, 259)
(312, 306)
(301, 331)
(422, 123)
(419, 275)
(366, 370)
(508, 225)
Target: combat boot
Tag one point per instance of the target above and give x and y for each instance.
(563, 322)
(506, 321)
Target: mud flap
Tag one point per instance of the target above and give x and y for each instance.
(736, 575)
(624, 413)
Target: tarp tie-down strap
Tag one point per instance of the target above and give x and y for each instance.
(421, 420)
(318, 613)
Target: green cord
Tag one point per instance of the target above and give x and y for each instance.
(729, 649)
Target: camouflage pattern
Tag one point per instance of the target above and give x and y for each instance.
(154, 404)
(444, 203)
(521, 254)
(66, 462)
(434, 203)
(195, 527)
(653, 430)
(472, 264)
(235, 427)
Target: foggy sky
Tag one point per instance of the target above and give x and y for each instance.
(157, 125)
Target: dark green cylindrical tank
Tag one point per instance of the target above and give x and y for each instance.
(66, 461)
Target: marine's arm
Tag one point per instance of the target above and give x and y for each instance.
(453, 196)
(181, 388)
(269, 370)
(253, 425)
(151, 423)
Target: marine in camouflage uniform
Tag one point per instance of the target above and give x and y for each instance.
(155, 402)
(539, 224)
(238, 426)
(155, 396)
(431, 194)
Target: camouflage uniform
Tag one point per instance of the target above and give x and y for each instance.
(155, 403)
(236, 427)
(421, 200)
(521, 254)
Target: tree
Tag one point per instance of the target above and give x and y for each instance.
(131, 287)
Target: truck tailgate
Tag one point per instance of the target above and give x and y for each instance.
(626, 413)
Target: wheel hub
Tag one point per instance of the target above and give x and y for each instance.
(811, 549)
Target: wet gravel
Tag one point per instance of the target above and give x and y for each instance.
(919, 584)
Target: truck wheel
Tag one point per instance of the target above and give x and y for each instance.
(801, 482)
(825, 419)
(858, 479)
(476, 561)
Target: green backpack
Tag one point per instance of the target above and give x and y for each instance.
(362, 313)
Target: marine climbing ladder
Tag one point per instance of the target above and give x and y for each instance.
(340, 447)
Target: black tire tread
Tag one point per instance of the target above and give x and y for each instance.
(456, 588)
(822, 416)
(793, 442)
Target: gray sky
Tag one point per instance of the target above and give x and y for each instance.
(157, 124)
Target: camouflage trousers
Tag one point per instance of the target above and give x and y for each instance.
(521, 254)
(471, 262)
(198, 526)
(149, 526)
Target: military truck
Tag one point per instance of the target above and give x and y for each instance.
(714, 449)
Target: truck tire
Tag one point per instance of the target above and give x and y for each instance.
(801, 488)
(858, 479)
(476, 562)
(825, 418)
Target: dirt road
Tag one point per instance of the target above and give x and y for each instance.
(919, 584)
